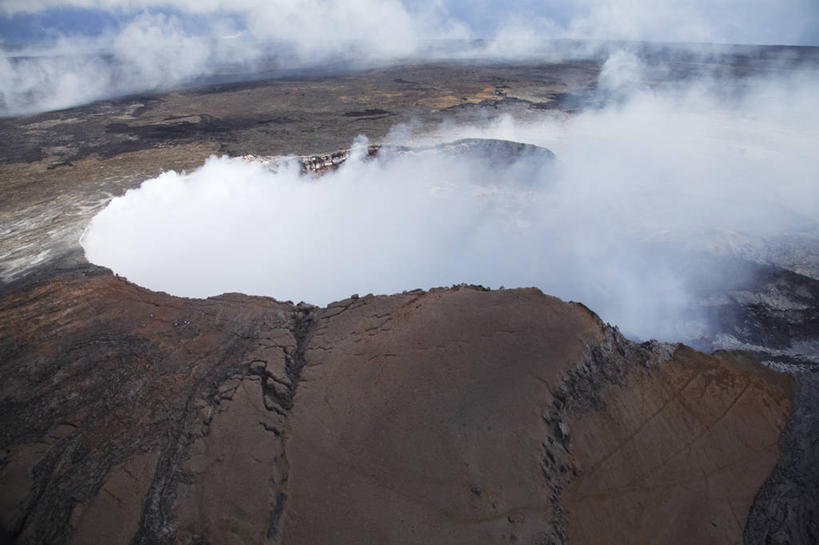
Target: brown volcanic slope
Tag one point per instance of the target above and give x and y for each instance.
(450, 416)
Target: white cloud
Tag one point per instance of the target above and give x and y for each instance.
(663, 20)
(622, 73)
(154, 51)
(155, 48)
(733, 21)
(323, 28)
(157, 51)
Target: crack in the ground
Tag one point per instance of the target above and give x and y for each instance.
(605, 363)
(303, 325)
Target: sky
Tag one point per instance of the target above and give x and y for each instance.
(59, 54)
(791, 22)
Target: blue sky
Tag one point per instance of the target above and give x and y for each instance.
(792, 22)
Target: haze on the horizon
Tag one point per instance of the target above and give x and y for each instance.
(86, 50)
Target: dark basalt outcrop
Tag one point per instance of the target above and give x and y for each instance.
(456, 415)
(482, 152)
(786, 509)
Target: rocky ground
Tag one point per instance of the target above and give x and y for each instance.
(461, 415)
(455, 415)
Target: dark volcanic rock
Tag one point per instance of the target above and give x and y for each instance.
(496, 153)
(110, 394)
(485, 153)
(775, 315)
(786, 509)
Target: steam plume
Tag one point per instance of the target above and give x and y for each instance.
(635, 186)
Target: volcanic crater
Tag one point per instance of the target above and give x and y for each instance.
(445, 415)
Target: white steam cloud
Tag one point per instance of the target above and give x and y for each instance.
(634, 187)
(158, 51)
(163, 44)
(152, 52)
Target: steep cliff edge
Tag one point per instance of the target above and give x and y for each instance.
(455, 415)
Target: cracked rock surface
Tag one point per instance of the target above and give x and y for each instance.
(133, 416)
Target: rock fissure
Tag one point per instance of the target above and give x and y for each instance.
(155, 525)
(278, 396)
(604, 364)
(42, 474)
(304, 321)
